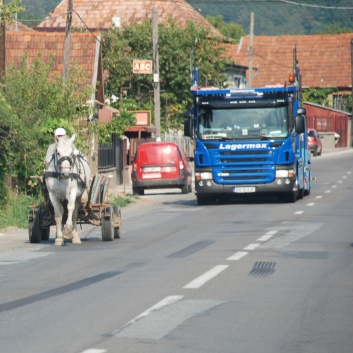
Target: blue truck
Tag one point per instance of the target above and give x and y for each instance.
(249, 141)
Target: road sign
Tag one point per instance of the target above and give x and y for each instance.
(142, 66)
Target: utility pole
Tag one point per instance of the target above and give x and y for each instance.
(349, 132)
(251, 48)
(156, 85)
(66, 72)
(2, 44)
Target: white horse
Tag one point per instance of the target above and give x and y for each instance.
(67, 177)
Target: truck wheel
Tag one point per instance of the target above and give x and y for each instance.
(289, 197)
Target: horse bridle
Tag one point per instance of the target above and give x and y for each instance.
(66, 158)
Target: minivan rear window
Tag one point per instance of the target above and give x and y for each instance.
(155, 154)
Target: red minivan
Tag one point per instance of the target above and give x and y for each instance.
(159, 165)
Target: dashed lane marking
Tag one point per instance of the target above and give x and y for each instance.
(199, 281)
(251, 247)
(238, 255)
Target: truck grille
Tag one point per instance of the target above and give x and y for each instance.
(243, 167)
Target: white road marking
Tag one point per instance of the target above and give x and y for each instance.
(293, 231)
(334, 186)
(251, 247)
(299, 212)
(339, 182)
(238, 255)
(344, 177)
(164, 302)
(327, 191)
(160, 322)
(199, 281)
(318, 197)
(94, 351)
(311, 204)
(267, 236)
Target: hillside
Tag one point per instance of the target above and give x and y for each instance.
(272, 17)
(276, 17)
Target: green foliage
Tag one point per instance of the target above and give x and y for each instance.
(122, 200)
(279, 18)
(14, 213)
(271, 17)
(38, 9)
(8, 11)
(317, 95)
(9, 134)
(117, 125)
(40, 102)
(190, 45)
(229, 29)
(336, 28)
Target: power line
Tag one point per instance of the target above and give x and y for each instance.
(268, 2)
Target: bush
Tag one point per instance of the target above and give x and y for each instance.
(15, 212)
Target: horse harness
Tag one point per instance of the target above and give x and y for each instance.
(73, 162)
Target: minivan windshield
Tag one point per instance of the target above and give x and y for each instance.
(243, 123)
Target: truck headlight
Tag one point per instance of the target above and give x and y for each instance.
(203, 176)
(283, 173)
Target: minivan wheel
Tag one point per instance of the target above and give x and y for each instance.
(138, 191)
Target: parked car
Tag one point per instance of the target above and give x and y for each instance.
(314, 142)
(159, 165)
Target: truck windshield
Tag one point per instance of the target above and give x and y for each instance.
(243, 123)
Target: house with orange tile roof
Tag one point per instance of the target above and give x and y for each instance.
(85, 50)
(324, 60)
(104, 14)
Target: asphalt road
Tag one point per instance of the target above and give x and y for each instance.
(248, 276)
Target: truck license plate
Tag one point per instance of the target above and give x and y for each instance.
(244, 189)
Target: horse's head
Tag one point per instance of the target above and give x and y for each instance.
(66, 153)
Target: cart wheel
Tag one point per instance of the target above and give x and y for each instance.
(45, 231)
(107, 224)
(34, 230)
(117, 219)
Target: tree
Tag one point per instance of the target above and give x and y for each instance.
(9, 130)
(39, 102)
(229, 29)
(8, 11)
(179, 49)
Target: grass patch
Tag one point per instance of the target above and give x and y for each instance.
(122, 200)
(14, 213)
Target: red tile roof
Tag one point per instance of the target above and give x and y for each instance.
(84, 50)
(324, 60)
(99, 14)
(17, 26)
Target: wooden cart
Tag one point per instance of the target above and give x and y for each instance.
(96, 211)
